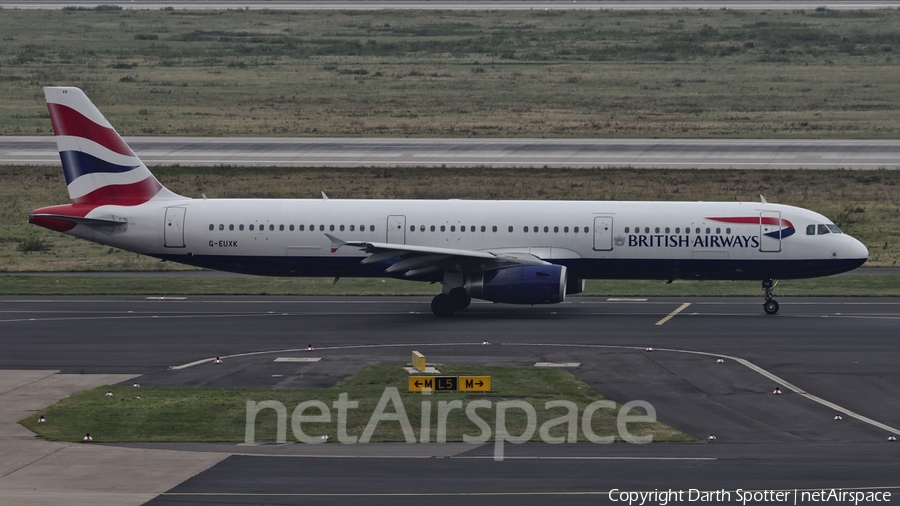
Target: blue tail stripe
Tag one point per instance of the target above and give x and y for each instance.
(78, 163)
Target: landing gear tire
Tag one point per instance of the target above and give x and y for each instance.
(771, 305)
(443, 305)
(460, 298)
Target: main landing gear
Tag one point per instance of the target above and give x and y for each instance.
(446, 304)
(771, 305)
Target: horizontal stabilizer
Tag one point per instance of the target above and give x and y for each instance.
(78, 220)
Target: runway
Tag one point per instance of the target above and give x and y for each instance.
(827, 354)
(457, 5)
(536, 153)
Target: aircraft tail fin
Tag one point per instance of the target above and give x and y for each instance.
(99, 166)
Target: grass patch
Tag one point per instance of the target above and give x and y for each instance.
(672, 73)
(865, 204)
(158, 414)
(843, 286)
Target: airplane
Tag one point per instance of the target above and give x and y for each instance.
(517, 252)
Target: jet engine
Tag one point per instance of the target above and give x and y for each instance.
(526, 284)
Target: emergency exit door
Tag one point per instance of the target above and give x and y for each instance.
(396, 229)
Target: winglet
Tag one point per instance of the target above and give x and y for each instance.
(335, 242)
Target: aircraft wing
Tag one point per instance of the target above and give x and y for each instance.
(419, 260)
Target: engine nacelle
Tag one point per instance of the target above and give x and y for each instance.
(526, 284)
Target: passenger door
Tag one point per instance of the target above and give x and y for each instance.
(603, 233)
(174, 228)
(770, 231)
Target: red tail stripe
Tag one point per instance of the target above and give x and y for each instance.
(68, 121)
(122, 194)
(755, 220)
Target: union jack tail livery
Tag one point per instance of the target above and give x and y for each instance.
(99, 167)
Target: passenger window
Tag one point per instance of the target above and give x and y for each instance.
(271, 227)
(453, 228)
(718, 230)
(443, 228)
(646, 230)
(461, 229)
(212, 227)
(321, 228)
(484, 229)
(585, 230)
(555, 230)
(352, 227)
(412, 228)
(810, 230)
(240, 227)
(576, 230)
(251, 227)
(728, 230)
(292, 228)
(300, 227)
(667, 230)
(494, 228)
(677, 230)
(823, 230)
(546, 229)
(510, 229)
(626, 230)
(230, 227)
(698, 230)
(221, 226)
(707, 230)
(535, 230)
(525, 229)
(281, 228)
(432, 228)
(656, 231)
(566, 230)
(371, 228)
(331, 228)
(342, 228)
(421, 228)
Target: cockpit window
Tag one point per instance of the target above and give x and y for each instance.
(823, 230)
(834, 229)
(810, 230)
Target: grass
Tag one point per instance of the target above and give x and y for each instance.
(865, 204)
(674, 73)
(186, 414)
(844, 286)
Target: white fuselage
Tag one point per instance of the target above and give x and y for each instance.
(649, 240)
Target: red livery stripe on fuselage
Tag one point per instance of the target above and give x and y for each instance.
(754, 220)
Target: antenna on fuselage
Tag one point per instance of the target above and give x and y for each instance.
(760, 198)
(324, 197)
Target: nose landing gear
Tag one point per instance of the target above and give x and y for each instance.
(771, 305)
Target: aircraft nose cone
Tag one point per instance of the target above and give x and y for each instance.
(857, 250)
